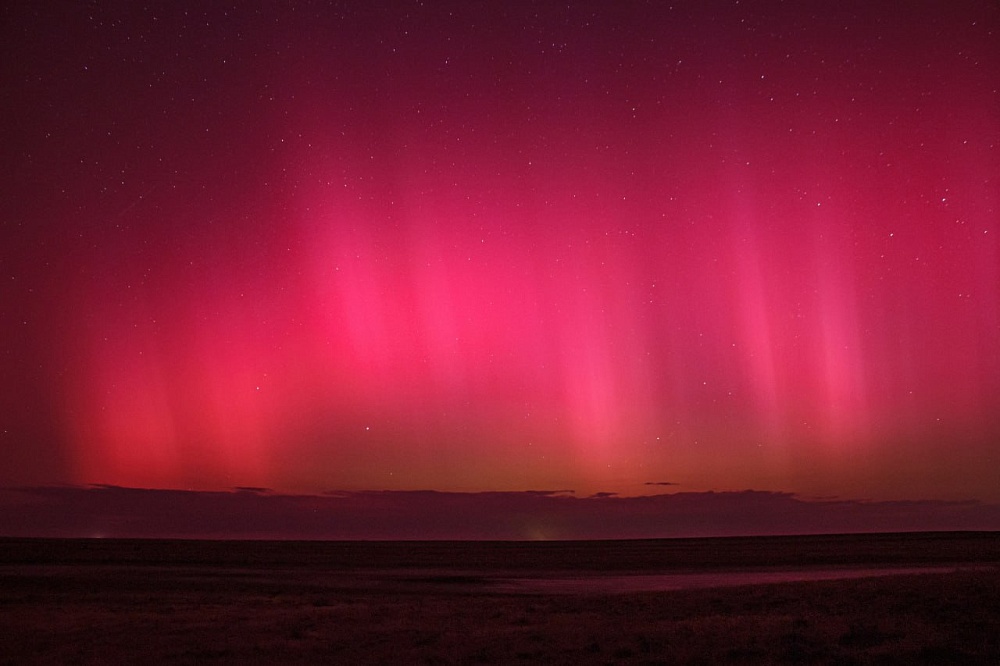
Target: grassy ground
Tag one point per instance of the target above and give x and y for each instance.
(195, 612)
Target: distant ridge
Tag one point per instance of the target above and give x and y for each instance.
(252, 513)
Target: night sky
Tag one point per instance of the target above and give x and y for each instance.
(502, 246)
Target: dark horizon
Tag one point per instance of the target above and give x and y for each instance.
(103, 511)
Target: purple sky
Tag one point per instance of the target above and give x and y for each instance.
(482, 247)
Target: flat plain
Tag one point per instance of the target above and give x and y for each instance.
(929, 598)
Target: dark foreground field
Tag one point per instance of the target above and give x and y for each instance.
(670, 601)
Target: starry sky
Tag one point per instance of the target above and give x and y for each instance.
(502, 246)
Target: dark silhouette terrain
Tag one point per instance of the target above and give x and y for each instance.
(121, 601)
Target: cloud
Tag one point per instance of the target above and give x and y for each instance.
(111, 511)
(661, 483)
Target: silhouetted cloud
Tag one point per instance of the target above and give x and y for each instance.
(661, 483)
(112, 511)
